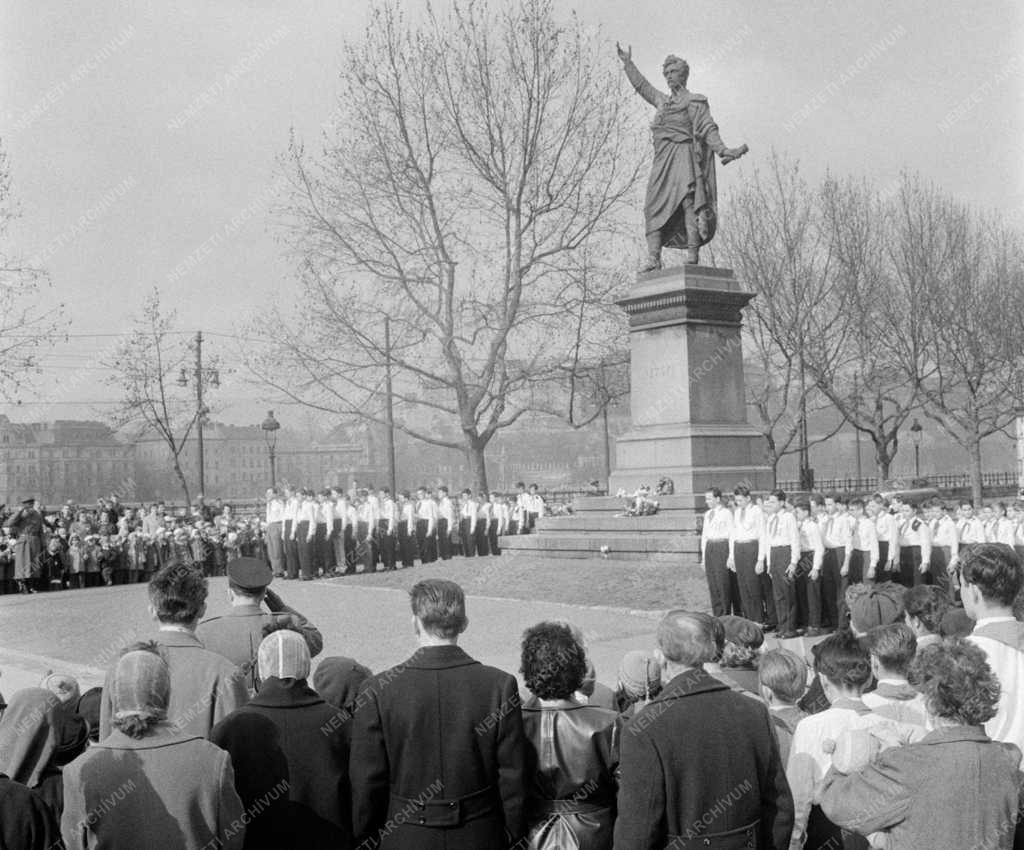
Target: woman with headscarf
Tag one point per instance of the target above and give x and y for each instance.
(337, 679)
(146, 784)
(639, 682)
(38, 735)
(572, 748)
(312, 736)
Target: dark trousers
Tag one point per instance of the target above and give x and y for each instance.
(482, 544)
(833, 587)
(406, 544)
(882, 571)
(783, 588)
(513, 526)
(492, 538)
(306, 549)
(468, 537)
(751, 591)
(716, 554)
(940, 569)
(324, 552)
(531, 521)
(910, 567)
(348, 543)
(291, 551)
(444, 540)
(808, 593)
(364, 547)
(426, 543)
(387, 545)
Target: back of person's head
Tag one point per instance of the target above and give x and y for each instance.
(843, 661)
(994, 569)
(687, 638)
(893, 647)
(440, 606)
(178, 594)
(639, 676)
(141, 690)
(553, 662)
(956, 681)
(926, 603)
(784, 672)
(338, 679)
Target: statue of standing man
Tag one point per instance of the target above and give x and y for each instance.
(682, 198)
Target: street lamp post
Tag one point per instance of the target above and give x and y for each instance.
(270, 427)
(915, 435)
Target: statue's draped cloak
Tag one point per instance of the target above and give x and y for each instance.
(685, 141)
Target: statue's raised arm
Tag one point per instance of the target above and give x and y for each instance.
(682, 196)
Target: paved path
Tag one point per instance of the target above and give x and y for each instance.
(82, 631)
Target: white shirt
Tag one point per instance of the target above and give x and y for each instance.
(469, 512)
(501, 514)
(971, 530)
(865, 538)
(810, 541)
(389, 514)
(409, 516)
(483, 512)
(291, 509)
(341, 512)
(888, 528)
(1007, 663)
(910, 711)
(717, 526)
(445, 510)
(919, 536)
(1005, 531)
(747, 526)
(275, 511)
(944, 534)
(427, 509)
(780, 530)
(808, 761)
(837, 530)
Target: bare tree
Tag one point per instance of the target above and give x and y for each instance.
(146, 366)
(782, 251)
(26, 322)
(869, 362)
(967, 271)
(473, 192)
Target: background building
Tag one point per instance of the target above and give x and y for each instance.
(62, 460)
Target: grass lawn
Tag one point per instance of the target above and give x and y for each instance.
(634, 585)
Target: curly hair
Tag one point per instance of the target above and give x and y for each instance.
(956, 681)
(553, 661)
(737, 656)
(928, 604)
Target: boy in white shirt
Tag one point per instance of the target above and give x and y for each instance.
(844, 668)
(892, 648)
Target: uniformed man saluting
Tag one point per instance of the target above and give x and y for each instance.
(237, 635)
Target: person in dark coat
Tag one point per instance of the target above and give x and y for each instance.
(338, 680)
(26, 822)
(147, 784)
(26, 529)
(572, 747)
(700, 765)
(313, 737)
(437, 746)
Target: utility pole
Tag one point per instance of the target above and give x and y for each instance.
(806, 473)
(389, 412)
(200, 412)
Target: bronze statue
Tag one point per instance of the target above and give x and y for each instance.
(680, 209)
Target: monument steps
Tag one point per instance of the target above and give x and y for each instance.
(621, 546)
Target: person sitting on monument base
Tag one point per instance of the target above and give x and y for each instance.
(682, 195)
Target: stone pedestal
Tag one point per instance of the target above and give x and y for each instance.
(686, 386)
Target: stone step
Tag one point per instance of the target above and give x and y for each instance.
(599, 522)
(616, 504)
(618, 544)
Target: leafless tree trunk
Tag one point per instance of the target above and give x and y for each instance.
(145, 366)
(25, 325)
(473, 193)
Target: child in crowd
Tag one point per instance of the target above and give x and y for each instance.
(783, 680)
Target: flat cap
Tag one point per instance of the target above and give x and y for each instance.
(249, 573)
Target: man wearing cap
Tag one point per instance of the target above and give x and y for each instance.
(26, 527)
(237, 634)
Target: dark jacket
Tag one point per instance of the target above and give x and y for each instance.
(572, 760)
(313, 738)
(437, 755)
(700, 768)
(954, 788)
(26, 822)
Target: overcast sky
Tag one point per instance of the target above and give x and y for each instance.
(143, 136)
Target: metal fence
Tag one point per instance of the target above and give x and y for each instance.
(941, 481)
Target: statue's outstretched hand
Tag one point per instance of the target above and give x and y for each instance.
(625, 55)
(729, 154)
